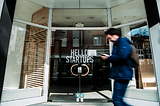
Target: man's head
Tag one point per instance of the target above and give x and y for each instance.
(112, 34)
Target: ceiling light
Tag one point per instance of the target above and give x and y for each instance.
(68, 17)
(91, 17)
(79, 25)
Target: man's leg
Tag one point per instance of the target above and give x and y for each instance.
(119, 90)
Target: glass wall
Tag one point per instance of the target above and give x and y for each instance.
(27, 11)
(25, 63)
(128, 12)
(144, 74)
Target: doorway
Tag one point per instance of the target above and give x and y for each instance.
(70, 49)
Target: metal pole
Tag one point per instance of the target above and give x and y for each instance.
(79, 82)
(79, 74)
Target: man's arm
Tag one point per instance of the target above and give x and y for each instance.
(123, 50)
(104, 56)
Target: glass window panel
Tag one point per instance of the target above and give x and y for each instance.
(107, 42)
(64, 42)
(25, 62)
(63, 37)
(31, 12)
(128, 12)
(144, 75)
(52, 40)
(75, 42)
(97, 41)
(81, 17)
(76, 37)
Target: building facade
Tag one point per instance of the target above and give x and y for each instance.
(50, 50)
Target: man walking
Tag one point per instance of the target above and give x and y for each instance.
(121, 70)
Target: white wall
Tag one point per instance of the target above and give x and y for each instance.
(14, 60)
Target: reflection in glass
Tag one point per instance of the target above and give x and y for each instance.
(76, 37)
(97, 41)
(145, 73)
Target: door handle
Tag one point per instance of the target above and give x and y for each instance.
(80, 69)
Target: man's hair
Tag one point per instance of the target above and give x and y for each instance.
(112, 31)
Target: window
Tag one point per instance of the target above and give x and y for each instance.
(107, 42)
(97, 41)
(76, 38)
(64, 42)
(63, 37)
(52, 40)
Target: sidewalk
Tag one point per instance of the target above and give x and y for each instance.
(135, 97)
(131, 101)
(134, 102)
(73, 104)
(95, 98)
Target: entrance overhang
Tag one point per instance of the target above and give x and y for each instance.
(73, 4)
(81, 28)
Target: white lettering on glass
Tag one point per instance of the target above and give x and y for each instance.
(79, 56)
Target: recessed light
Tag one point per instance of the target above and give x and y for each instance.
(68, 17)
(91, 17)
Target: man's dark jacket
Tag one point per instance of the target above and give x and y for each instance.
(121, 65)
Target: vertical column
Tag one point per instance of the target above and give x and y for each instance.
(153, 19)
(109, 16)
(7, 12)
(47, 55)
(124, 32)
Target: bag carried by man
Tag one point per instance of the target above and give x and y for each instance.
(134, 57)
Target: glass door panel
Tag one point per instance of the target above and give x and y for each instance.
(81, 48)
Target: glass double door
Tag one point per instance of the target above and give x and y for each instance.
(76, 66)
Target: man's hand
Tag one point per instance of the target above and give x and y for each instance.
(104, 56)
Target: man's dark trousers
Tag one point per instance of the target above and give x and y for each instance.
(120, 87)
